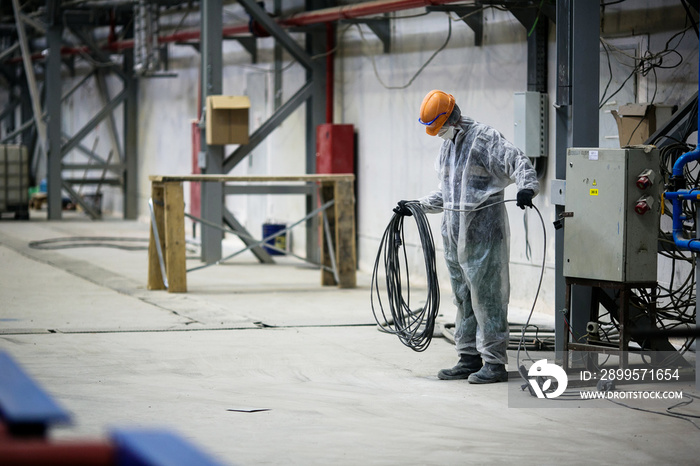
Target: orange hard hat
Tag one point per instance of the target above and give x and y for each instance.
(435, 110)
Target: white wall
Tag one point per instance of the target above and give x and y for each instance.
(396, 156)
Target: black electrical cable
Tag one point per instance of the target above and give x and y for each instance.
(89, 242)
(414, 328)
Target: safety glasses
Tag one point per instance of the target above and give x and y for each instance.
(431, 121)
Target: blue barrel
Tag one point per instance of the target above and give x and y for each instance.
(279, 241)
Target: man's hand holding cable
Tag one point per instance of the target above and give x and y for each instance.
(524, 198)
(401, 209)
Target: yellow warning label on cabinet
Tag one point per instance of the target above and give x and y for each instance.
(594, 192)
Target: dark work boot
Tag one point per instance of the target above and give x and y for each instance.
(468, 364)
(490, 373)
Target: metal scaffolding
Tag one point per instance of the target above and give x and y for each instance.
(60, 38)
(47, 44)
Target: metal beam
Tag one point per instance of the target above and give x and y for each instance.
(317, 43)
(9, 51)
(381, 27)
(685, 119)
(40, 27)
(562, 115)
(211, 72)
(516, 7)
(278, 69)
(85, 150)
(576, 126)
(130, 127)
(29, 135)
(97, 53)
(536, 24)
(247, 238)
(92, 181)
(277, 32)
(17, 131)
(31, 78)
(9, 111)
(92, 124)
(250, 44)
(79, 84)
(268, 189)
(52, 86)
(266, 128)
(473, 16)
(117, 168)
(90, 210)
(104, 96)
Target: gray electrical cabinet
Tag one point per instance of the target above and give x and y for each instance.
(611, 227)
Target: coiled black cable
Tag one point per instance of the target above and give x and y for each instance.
(414, 328)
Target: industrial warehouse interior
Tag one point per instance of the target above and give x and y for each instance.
(262, 232)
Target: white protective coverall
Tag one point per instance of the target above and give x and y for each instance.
(474, 168)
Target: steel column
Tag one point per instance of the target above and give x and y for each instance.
(562, 115)
(278, 63)
(130, 160)
(316, 44)
(31, 87)
(29, 73)
(576, 126)
(52, 85)
(211, 81)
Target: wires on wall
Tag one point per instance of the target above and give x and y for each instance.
(647, 63)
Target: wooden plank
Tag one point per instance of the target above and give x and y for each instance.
(175, 266)
(345, 252)
(155, 278)
(327, 194)
(251, 178)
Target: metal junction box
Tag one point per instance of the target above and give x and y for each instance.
(611, 222)
(530, 123)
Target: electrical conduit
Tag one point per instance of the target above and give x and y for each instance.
(681, 195)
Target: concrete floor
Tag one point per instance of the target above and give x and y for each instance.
(259, 364)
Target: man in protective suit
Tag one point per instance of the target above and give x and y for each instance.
(474, 166)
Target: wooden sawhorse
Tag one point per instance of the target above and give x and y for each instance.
(168, 220)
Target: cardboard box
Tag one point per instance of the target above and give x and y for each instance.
(227, 119)
(636, 122)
